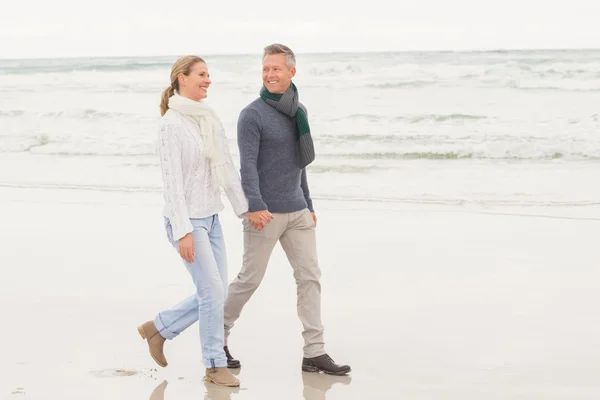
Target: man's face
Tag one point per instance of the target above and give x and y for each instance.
(276, 75)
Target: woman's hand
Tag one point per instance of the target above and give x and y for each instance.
(186, 248)
(260, 219)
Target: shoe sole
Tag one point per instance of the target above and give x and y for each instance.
(209, 380)
(143, 335)
(308, 368)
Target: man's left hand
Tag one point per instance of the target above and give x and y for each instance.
(314, 218)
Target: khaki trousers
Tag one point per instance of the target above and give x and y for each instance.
(296, 233)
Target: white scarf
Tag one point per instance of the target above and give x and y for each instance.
(210, 129)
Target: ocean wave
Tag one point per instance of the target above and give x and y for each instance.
(552, 88)
(396, 72)
(80, 65)
(12, 113)
(370, 147)
(368, 117)
(344, 169)
(442, 118)
(77, 186)
(16, 144)
(43, 144)
(87, 113)
(89, 152)
(490, 141)
(413, 119)
(396, 85)
(334, 68)
(40, 147)
(402, 140)
(466, 155)
(397, 155)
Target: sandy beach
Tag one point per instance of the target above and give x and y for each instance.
(423, 301)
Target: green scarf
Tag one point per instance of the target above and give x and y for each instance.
(288, 104)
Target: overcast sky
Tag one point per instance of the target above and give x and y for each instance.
(67, 28)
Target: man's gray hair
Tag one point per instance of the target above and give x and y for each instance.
(277, 48)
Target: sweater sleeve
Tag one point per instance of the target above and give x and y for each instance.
(304, 179)
(306, 191)
(248, 131)
(234, 190)
(169, 152)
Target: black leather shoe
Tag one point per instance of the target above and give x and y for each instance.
(324, 363)
(231, 362)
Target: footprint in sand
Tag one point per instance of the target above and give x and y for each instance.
(111, 373)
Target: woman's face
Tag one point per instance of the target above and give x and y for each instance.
(195, 85)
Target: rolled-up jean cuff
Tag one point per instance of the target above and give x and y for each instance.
(162, 329)
(217, 363)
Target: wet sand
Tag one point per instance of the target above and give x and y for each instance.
(424, 302)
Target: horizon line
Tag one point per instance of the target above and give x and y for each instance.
(474, 50)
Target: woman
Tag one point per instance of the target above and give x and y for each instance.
(196, 163)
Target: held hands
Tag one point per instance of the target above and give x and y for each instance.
(186, 248)
(260, 219)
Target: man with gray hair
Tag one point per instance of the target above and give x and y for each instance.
(275, 147)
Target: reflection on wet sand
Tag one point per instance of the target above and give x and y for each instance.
(316, 387)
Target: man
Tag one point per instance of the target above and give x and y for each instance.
(275, 147)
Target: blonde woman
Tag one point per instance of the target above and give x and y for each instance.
(196, 164)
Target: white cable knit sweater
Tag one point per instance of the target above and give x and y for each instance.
(188, 189)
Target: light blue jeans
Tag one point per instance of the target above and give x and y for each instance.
(209, 273)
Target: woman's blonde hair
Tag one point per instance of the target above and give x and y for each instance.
(182, 66)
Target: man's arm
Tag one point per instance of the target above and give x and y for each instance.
(248, 132)
(304, 184)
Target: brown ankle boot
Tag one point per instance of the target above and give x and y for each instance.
(149, 332)
(221, 376)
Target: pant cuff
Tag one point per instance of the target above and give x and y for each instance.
(220, 363)
(162, 329)
(314, 352)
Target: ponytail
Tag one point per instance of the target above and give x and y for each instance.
(164, 101)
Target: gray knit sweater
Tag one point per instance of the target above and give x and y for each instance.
(270, 177)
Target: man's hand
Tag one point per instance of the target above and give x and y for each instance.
(314, 218)
(186, 248)
(260, 219)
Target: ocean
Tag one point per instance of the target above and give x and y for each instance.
(484, 128)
